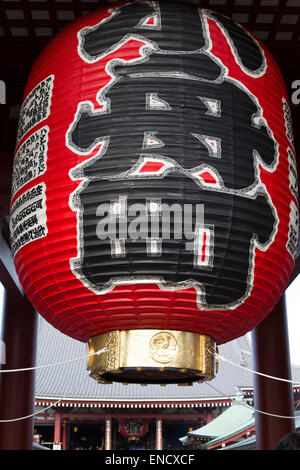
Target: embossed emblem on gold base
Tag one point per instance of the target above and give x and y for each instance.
(152, 357)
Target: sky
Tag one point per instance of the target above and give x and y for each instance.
(293, 318)
(293, 315)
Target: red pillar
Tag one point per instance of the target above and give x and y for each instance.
(65, 436)
(57, 431)
(271, 355)
(19, 329)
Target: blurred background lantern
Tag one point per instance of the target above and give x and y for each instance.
(154, 202)
(133, 427)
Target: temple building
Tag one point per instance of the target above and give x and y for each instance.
(75, 412)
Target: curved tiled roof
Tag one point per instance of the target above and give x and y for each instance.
(72, 381)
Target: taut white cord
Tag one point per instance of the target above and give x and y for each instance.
(33, 414)
(222, 358)
(97, 353)
(59, 400)
(251, 407)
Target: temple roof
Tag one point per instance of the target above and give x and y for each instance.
(235, 422)
(233, 419)
(238, 418)
(72, 381)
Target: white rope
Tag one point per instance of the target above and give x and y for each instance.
(33, 414)
(57, 401)
(222, 358)
(249, 406)
(97, 353)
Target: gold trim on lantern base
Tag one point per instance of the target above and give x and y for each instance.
(152, 357)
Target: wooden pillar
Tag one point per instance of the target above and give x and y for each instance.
(65, 436)
(57, 431)
(108, 433)
(19, 331)
(271, 356)
(159, 434)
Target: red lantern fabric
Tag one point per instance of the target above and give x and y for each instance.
(157, 102)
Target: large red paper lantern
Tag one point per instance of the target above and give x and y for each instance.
(154, 201)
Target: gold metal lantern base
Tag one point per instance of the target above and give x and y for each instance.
(152, 357)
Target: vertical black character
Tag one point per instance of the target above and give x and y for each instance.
(174, 105)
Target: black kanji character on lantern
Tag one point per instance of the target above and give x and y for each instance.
(220, 263)
(191, 123)
(173, 107)
(170, 33)
(151, 108)
(173, 28)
